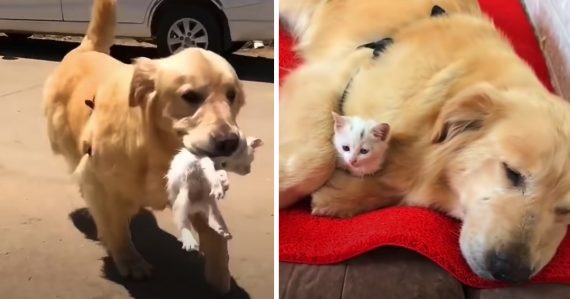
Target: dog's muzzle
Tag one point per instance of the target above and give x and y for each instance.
(225, 145)
(509, 265)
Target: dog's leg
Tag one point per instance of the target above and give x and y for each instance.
(217, 222)
(215, 249)
(307, 156)
(112, 217)
(345, 195)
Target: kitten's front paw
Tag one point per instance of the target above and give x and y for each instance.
(224, 180)
(217, 191)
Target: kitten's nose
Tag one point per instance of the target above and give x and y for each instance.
(353, 162)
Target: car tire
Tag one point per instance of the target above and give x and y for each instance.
(189, 25)
(18, 36)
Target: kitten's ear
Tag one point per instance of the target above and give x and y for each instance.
(254, 142)
(339, 121)
(381, 131)
(142, 83)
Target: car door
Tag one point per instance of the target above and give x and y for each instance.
(128, 11)
(42, 10)
(248, 10)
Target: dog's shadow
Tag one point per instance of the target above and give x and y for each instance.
(176, 273)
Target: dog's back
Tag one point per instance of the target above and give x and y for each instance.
(76, 79)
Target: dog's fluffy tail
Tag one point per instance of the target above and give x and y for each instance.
(101, 31)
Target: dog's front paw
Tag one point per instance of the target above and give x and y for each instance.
(325, 202)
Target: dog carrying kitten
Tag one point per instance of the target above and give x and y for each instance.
(195, 183)
(361, 144)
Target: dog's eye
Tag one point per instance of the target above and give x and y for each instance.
(515, 177)
(223, 164)
(192, 97)
(562, 211)
(231, 95)
(345, 148)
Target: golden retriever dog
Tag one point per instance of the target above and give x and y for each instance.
(474, 132)
(143, 114)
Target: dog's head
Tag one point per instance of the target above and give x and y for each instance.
(508, 156)
(195, 95)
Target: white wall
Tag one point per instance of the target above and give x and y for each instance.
(551, 19)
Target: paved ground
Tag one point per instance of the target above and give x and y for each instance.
(47, 247)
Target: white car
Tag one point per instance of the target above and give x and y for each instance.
(217, 25)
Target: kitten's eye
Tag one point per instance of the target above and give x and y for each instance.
(345, 148)
(192, 97)
(515, 177)
(231, 95)
(363, 151)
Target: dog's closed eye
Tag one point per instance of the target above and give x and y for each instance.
(562, 211)
(515, 177)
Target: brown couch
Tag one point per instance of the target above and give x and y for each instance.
(397, 273)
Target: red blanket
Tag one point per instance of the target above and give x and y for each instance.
(316, 240)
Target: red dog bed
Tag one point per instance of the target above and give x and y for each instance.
(318, 240)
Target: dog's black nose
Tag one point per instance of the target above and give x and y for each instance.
(509, 267)
(226, 144)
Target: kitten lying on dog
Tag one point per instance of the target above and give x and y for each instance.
(195, 183)
(361, 144)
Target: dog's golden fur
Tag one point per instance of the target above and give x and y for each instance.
(143, 114)
(467, 114)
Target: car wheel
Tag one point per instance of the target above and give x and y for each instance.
(18, 36)
(186, 26)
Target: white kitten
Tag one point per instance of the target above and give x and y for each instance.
(194, 184)
(361, 143)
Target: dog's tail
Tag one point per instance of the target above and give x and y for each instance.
(101, 31)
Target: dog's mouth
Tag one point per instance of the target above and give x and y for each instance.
(198, 151)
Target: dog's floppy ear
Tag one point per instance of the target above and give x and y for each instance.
(467, 111)
(142, 83)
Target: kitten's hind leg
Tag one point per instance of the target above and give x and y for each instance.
(216, 221)
(189, 243)
(180, 214)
